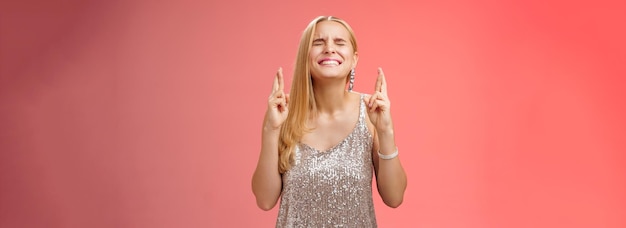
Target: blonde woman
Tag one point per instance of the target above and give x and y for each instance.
(322, 142)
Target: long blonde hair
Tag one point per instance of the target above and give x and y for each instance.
(301, 100)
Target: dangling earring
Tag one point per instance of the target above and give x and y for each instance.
(351, 80)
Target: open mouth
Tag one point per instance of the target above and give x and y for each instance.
(329, 62)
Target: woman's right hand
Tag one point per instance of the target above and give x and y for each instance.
(277, 105)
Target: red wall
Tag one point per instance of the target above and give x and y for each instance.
(148, 113)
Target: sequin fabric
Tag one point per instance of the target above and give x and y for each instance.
(331, 188)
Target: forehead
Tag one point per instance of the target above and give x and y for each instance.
(331, 29)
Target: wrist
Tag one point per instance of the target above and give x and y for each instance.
(385, 131)
(389, 156)
(270, 130)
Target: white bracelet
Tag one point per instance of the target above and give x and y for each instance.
(388, 157)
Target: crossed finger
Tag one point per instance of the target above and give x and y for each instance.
(381, 83)
(278, 81)
(380, 91)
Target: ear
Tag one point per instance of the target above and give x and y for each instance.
(356, 59)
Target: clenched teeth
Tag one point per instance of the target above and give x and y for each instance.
(330, 62)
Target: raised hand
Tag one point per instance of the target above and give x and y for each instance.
(277, 105)
(379, 106)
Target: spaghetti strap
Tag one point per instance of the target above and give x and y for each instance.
(362, 109)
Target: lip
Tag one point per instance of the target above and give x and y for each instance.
(329, 59)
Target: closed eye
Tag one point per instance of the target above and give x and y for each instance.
(340, 42)
(318, 42)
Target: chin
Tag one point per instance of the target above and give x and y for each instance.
(332, 73)
(329, 76)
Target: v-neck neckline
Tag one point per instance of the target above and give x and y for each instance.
(356, 126)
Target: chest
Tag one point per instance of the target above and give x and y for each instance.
(327, 132)
(347, 162)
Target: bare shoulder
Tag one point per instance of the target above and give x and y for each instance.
(365, 96)
(357, 95)
(368, 122)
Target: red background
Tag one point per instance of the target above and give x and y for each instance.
(148, 113)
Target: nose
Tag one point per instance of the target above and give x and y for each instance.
(330, 48)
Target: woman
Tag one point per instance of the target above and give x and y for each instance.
(321, 141)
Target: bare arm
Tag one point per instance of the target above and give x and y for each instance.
(390, 176)
(266, 180)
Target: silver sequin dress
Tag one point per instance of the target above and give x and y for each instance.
(331, 188)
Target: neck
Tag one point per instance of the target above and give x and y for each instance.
(330, 97)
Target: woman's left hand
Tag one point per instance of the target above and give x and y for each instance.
(379, 106)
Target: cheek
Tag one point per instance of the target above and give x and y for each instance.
(346, 52)
(312, 54)
(348, 56)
